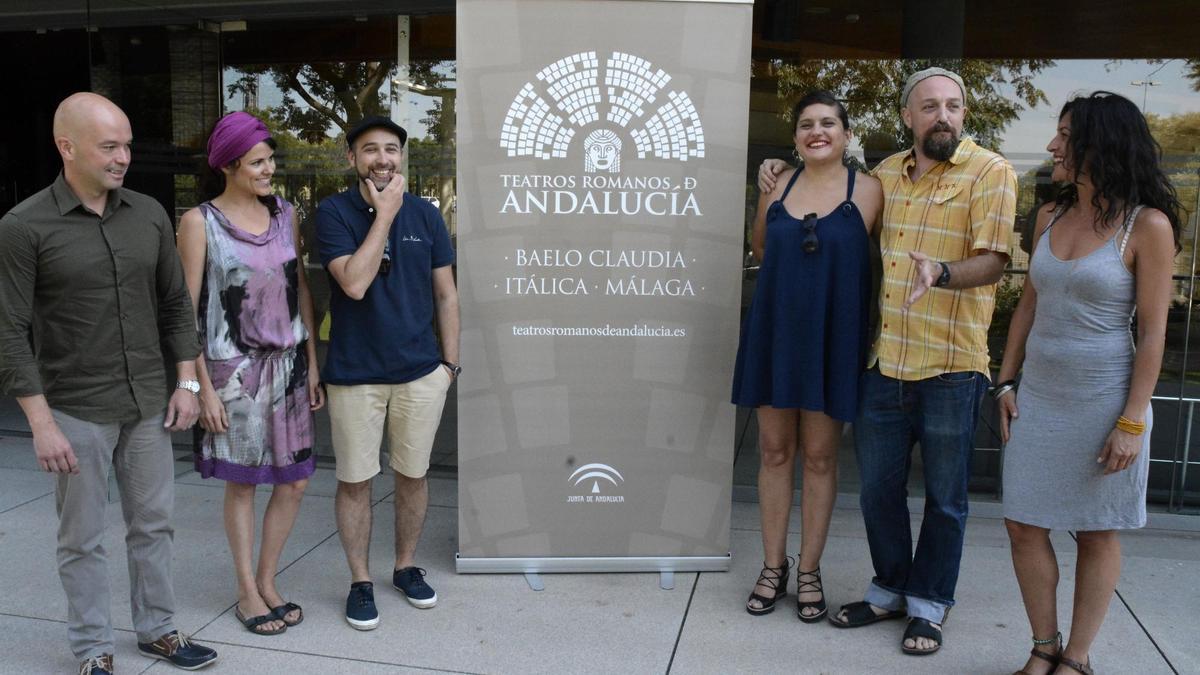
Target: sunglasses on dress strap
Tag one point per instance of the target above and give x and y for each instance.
(811, 243)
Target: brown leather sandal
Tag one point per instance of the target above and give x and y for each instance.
(1082, 668)
(1052, 659)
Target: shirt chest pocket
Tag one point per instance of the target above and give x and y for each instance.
(945, 193)
(949, 215)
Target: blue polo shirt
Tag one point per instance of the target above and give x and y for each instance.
(388, 336)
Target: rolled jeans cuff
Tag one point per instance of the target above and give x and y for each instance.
(933, 612)
(883, 598)
(920, 608)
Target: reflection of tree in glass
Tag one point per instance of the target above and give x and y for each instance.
(319, 98)
(1179, 136)
(433, 78)
(997, 91)
(336, 94)
(1192, 72)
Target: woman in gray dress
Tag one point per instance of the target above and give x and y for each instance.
(1078, 429)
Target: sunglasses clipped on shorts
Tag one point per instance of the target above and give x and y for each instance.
(810, 243)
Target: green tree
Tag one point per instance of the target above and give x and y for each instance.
(997, 91)
(339, 94)
(1179, 136)
(1192, 72)
(432, 78)
(335, 93)
(335, 96)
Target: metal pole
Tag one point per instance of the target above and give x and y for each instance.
(1187, 339)
(1187, 446)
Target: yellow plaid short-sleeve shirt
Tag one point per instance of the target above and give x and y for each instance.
(957, 209)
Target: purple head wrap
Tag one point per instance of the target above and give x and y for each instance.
(234, 134)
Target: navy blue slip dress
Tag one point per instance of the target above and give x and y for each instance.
(804, 342)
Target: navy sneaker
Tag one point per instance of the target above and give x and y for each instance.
(175, 648)
(360, 606)
(97, 665)
(411, 582)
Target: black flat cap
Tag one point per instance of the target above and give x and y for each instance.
(375, 122)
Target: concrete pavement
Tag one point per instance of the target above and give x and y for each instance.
(580, 623)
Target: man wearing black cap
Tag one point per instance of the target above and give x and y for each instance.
(389, 258)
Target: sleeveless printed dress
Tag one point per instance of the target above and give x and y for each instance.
(254, 347)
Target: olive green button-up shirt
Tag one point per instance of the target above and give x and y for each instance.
(87, 300)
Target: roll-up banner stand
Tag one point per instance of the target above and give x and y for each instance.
(601, 207)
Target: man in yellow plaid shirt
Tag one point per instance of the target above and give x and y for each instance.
(947, 221)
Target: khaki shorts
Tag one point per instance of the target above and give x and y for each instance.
(412, 411)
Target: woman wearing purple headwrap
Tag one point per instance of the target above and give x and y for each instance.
(258, 377)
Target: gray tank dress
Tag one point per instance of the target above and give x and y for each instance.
(1078, 363)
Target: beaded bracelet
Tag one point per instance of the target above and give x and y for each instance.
(1131, 427)
(1042, 643)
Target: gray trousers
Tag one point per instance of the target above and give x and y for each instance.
(140, 453)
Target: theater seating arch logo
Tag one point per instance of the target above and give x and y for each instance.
(626, 104)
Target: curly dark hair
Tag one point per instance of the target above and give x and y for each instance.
(822, 97)
(1111, 143)
(212, 181)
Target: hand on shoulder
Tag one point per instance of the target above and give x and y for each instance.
(781, 182)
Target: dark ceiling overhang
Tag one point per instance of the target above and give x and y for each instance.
(22, 15)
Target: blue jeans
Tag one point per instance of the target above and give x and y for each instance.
(940, 413)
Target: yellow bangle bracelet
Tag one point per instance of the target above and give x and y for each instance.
(1130, 427)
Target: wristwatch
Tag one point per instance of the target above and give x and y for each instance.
(190, 385)
(944, 277)
(454, 368)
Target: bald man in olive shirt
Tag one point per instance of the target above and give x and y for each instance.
(90, 287)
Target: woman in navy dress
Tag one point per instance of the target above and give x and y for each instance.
(805, 341)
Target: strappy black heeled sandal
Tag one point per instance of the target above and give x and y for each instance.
(813, 586)
(774, 577)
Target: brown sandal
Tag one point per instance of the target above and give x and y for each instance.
(1082, 668)
(1052, 659)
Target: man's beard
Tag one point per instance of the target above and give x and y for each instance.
(937, 149)
(366, 176)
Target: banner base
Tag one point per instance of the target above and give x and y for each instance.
(716, 563)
